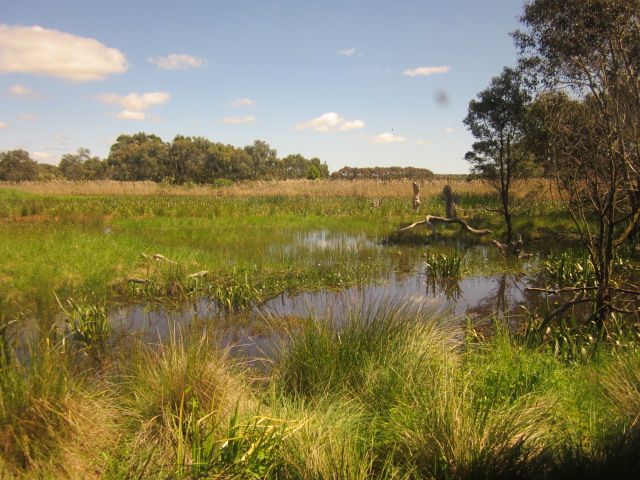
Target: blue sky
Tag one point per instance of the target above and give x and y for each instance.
(361, 83)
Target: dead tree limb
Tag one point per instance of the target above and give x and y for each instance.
(139, 280)
(198, 274)
(428, 221)
(579, 298)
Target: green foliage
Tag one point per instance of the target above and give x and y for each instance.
(88, 324)
(570, 269)
(245, 450)
(450, 264)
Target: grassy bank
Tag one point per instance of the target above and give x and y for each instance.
(385, 392)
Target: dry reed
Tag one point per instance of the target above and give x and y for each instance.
(287, 188)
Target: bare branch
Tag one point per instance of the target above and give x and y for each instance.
(430, 218)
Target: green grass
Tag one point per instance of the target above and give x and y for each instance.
(381, 388)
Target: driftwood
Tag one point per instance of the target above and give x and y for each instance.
(428, 221)
(144, 281)
(198, 274)
(157, 256)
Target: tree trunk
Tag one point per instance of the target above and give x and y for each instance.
(451, 206)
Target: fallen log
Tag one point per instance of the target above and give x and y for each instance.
(198, 274)
(428, 221)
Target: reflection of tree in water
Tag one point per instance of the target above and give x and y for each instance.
(507, 298)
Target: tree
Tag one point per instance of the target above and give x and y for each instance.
(186, 159)
(497, 119)
(138, 157)
(263, 159)
(586, 56)
(81, 166)
(17, 166)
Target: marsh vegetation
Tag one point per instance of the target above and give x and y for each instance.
(320, 343)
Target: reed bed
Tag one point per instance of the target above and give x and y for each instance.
(287, 188)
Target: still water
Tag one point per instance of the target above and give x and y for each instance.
(472, 298)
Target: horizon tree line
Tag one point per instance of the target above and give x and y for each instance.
(145, 157)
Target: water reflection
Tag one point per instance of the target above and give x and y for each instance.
(500, 295)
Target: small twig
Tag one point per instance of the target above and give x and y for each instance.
(138, 280)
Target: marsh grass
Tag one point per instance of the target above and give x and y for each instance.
(53, 423)
(383, 389)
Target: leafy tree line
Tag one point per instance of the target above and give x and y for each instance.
(383, 173)
(143, 157)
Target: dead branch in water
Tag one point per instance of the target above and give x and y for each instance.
(431, 218)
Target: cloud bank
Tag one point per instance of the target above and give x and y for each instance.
(39, 51)
(426, 71)
(133, 104)
(330, 122)
(178, 61)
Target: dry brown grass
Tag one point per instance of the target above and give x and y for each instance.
(289, 188)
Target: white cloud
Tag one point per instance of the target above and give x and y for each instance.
(4, 125)
(423, 142)
(236, 120)
(133, 104)
(129, 115)
(426, 71)
(386, 138)
(242, 102)
(28, 116)
(448, 130)
(22, 91)
(178, 61)
(347, 51)
(330, 122)
(40, 51)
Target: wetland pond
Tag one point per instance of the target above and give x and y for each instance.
(490, 287)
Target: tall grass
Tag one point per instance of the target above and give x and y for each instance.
(53, 421)
(383, 390)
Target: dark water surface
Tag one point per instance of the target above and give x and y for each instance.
(471, 298)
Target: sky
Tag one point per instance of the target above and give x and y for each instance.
(357, 83)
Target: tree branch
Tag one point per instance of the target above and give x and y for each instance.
(430, 218)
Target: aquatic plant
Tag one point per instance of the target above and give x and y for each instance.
(570, 269)
(445, 264)
(87, 323)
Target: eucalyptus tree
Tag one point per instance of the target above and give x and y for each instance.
(584, 56)
(17, 166)
(497, 119)
(138, 157)
(81, 166)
